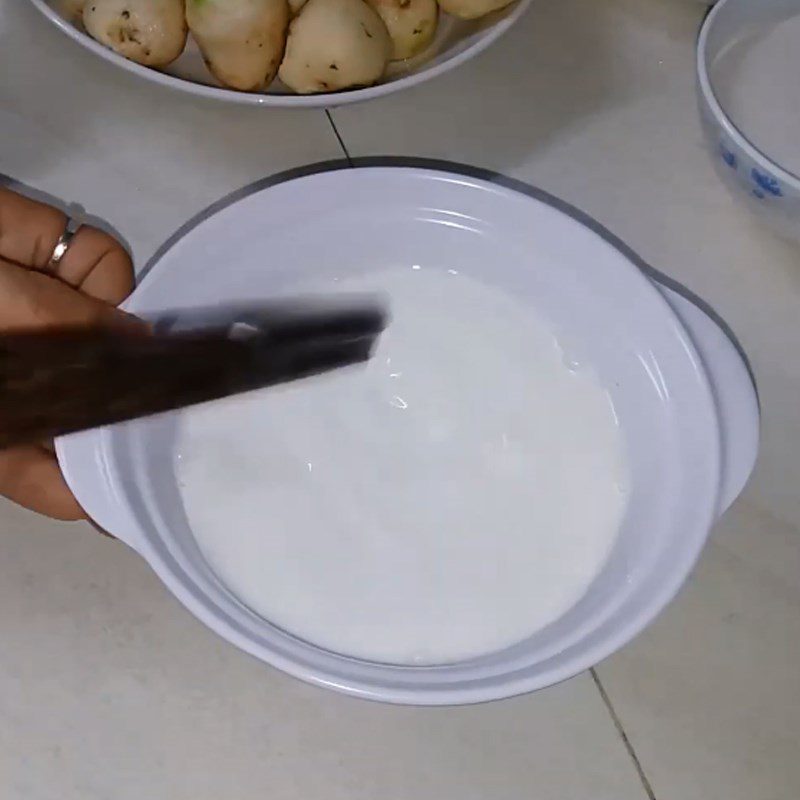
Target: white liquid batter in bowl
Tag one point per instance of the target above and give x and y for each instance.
(448, 499)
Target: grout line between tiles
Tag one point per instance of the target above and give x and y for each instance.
(339, 137)
(624, 736)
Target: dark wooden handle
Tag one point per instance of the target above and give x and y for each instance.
(69, 380)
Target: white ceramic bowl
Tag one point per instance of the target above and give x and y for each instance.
(456, 41)
(770, 190)
(683, 395)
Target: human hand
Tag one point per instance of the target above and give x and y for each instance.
(82, 290)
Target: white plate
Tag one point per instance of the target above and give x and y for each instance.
(356, 220)
(456, 41)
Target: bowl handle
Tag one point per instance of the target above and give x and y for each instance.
(734, 395)
(96, 495)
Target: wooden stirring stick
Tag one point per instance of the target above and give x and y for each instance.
(62, 381)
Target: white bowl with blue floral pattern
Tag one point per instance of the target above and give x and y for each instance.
(769, 189)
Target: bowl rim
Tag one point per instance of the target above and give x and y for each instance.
(259, 99)
(477, 691)
(721, 117)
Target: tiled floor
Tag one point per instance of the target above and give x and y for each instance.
(108, 689)
(111, 690)
(710, 695)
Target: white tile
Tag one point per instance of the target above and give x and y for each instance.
(710, 695)
(110, 689)
(144, 158)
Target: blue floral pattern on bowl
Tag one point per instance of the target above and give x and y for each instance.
(765, 184)
(728, 156)
(760, 184)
